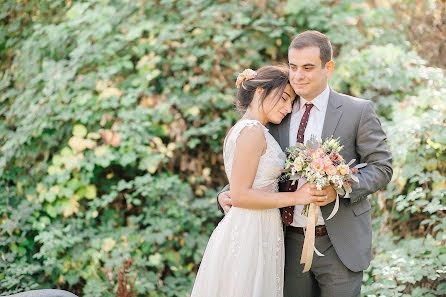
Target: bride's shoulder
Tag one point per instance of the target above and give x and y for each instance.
(251, 141)
(252, 128)
(249, 132)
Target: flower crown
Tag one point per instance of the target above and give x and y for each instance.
(247, 74)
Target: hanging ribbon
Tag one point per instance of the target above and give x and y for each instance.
(308, 248)
(335, 208)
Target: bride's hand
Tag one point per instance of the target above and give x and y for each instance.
(306, 195)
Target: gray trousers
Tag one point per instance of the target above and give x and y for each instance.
(328, 276)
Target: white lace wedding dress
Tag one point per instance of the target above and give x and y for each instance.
(245, 253)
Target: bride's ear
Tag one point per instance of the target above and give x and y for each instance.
(259, 91)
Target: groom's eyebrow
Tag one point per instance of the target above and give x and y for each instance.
(305, 65)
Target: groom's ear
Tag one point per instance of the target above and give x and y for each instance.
(330, 67)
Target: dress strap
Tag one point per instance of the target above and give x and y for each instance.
(235, 131)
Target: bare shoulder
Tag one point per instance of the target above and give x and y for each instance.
(252, 137)
(253, 133)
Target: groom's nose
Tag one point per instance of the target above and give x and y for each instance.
(297, 75)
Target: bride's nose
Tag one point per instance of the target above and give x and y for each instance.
(289, 106)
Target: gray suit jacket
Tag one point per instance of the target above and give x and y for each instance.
(356, 124)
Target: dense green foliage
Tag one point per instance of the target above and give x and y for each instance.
(112, 116)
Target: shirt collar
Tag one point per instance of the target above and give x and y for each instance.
(320, 102)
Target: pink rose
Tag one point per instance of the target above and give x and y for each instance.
(327, 162)
(331, 170)
(317, 165)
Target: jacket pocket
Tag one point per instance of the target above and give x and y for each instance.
(361, 207)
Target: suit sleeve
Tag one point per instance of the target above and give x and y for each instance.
(371, 148)
(226, 188)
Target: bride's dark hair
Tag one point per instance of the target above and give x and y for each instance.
(269, 78)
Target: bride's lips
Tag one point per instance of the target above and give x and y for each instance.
(283, 115)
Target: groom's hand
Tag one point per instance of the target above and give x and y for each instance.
(327, 191)
(224, 199)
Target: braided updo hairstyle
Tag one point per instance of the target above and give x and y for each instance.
(269, 78)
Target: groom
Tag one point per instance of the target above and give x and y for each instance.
(346, 239)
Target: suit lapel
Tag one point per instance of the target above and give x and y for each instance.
(332, 115)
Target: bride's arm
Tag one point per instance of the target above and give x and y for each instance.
(251, 144)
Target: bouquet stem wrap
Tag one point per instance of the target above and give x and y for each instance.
(308, 248)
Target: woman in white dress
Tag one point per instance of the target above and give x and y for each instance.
(245, 253)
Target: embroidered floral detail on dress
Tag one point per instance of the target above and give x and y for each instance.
(235, 241)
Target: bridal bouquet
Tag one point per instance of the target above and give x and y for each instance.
(319, 163)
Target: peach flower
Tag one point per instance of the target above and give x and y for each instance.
(298, 165)
(247, 74)
(343, 169)
(327, 162)
(316, 154)
(331, 170)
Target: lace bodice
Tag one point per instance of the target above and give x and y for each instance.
(270, 163)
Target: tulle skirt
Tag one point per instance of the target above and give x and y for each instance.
(244, 256)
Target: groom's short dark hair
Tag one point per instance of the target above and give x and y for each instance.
(314, 39)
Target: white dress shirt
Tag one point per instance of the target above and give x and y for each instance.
(314, 128)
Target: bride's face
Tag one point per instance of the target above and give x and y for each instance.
(275, 107)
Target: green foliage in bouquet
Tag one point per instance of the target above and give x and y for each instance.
(112, 116)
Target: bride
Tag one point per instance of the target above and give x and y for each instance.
(245, 253)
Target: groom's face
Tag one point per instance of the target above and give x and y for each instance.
(308, 76)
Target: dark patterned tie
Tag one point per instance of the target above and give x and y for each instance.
(288, 212)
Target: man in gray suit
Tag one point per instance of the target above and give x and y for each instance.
(346, 239)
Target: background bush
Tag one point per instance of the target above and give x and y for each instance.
(113, 113)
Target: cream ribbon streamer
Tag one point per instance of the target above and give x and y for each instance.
(308, 248)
